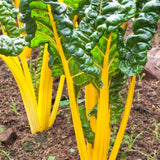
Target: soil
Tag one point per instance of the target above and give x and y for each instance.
(142, 136)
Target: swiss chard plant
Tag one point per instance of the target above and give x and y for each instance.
(86, 43)
(35, 84)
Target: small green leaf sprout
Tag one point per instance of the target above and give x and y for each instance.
(13, 105)
(51, 158)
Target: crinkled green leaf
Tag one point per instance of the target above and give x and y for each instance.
(11, 46)
(25, 17)
(139, 6)
(80, 10)
(38, 12)
(7, 20)
(87, 130)
(133, 52)
(12, 43)
(54, 62)
(93, 112)
(72, 3)
(116, 85)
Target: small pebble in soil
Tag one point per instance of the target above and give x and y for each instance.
(8, 136)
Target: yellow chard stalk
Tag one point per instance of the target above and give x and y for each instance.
(26, 92)
(91, 99)
(45, 92)
(56, 103)
(102, 137)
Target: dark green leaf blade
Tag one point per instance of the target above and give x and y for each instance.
(133, 52)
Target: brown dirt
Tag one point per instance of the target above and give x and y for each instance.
(59, 139)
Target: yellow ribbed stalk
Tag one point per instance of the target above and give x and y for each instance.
(56, 103)
(75, 116)
(123, 125)
(27, 54)
(75, 23)
(73, 102)
(91, 97)
(16, 3)
(45, 92)
(27, 75)
(102, 137)
(12, 63)
(4, 33)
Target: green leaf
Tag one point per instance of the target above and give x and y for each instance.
(52, 158)
(7, 19)
(72, 150)
(87, 130)
(25, 17)
(11, 46)
(139, 5)
(93, 112)
(12, 43)
(133, 52)
(98, 20)
(116, 85)
(67, 102)
(80, 10)
(116, 78)
(72, 3)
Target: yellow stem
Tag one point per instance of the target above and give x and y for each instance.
(16, 5)
(45, 92)
(77, 74)
(102, 137)
(56, 103)
(73, 102)
(25, 92)
(3, 30)
(75, 23)
(27, 75)
(91, 97)
(123, 125)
